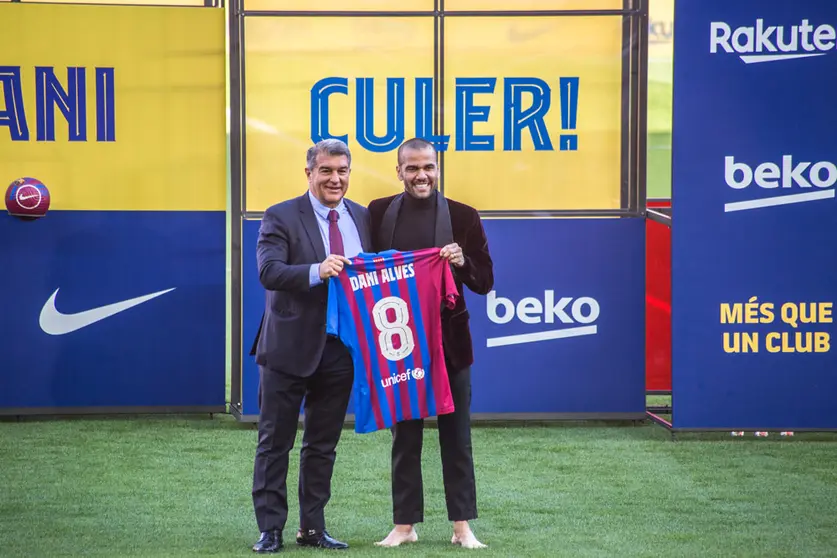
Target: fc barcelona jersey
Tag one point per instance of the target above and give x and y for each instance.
(386, 308)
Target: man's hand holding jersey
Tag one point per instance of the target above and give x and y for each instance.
(453, 253)
(332, 266)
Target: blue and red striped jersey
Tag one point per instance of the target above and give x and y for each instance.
(386, 308)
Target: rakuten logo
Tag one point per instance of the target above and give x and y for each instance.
(530, 310)
(797, 178)
(771, 43)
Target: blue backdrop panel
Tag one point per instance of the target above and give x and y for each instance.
(549, 270)
(754, 214)
(166, 351)
(252, 308)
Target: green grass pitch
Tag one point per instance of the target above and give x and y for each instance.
(180, 487)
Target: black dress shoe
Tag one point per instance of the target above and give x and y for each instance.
(319, 540)
(270, 541)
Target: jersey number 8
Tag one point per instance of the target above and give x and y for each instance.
(389, 329)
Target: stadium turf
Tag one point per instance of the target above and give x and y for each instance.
(173, 486)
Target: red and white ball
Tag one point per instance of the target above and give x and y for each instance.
(27, 199)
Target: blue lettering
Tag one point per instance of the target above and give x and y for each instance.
(105, 105)
(526, 103)
(424, 115)
(467, 114)
(72, 104)
(14, 116)
(516, 118)
(569, 113)
(319, 107)
(365, 115)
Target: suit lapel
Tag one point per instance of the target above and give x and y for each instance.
(388, 222)
(309, 223)
(444, 230)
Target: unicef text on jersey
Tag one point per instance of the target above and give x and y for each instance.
(771, 43)
(790, 180)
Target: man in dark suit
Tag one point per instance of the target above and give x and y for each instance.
(302, 243)
(421, 217)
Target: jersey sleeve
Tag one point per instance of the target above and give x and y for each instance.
(449, 290)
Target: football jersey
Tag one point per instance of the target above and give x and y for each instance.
(386, 308)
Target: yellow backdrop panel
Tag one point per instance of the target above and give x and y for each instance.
(169, 150)
(494, 5)
(286, 57)
(428, 5)
(341, 5)
(588, 48)
(123, 2)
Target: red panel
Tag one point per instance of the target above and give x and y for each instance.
(658, 202)
(657, 307)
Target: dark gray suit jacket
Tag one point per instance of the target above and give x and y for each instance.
(292, 334)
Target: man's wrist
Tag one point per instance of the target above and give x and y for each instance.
(314, 275)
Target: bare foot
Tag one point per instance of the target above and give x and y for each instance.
(463, 536)
(400, 534)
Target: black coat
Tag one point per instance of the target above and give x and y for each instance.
(292, 334)
(455, 222)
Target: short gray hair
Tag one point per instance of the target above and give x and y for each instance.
(330, 146)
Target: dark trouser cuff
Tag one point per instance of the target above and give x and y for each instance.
(408, 518)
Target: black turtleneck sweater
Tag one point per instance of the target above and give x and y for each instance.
(416, 224)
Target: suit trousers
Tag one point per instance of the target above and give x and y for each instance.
(326, 393)
(457, 459)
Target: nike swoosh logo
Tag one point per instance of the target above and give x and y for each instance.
(53, 322)
(29, 197)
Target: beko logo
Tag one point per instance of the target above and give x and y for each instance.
(530, 310)
(771, 43)
(791, 180)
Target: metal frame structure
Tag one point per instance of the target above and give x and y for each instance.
(634, 130)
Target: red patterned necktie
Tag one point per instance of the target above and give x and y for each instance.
(335, 239)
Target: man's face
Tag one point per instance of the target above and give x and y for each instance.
(418, 171)
(329, 179)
